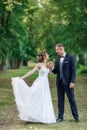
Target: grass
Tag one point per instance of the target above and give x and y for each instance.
(8, 112)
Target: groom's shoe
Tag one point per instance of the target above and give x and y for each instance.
(59, 120)
(77, 120)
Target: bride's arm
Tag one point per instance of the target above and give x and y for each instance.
(30, 72)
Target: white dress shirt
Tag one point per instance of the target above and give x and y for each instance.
(62, 58)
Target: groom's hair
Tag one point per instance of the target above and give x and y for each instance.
(59, 45)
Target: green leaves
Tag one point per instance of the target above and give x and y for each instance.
(11, 3)
(27, 27)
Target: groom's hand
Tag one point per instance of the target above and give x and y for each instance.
(51, 65)
(71, 85)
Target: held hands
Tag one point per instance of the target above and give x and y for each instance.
(50, 65)
(71, 85)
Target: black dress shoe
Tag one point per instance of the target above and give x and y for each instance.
(77, 120)
(59, 120)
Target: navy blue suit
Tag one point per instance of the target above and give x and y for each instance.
(68, 76)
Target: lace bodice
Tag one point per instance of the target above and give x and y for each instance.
(43, 71)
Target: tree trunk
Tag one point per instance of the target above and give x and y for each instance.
(3, 65)
(14, 63)
(2, 22)
(81, 59)
(25, 63)
(7, 21)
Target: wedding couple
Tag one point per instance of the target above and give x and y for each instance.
(34, 103)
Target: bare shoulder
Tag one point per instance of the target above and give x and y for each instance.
(38, 65)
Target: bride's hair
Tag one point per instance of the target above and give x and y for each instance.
(41, 56)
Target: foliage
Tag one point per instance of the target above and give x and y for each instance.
(82, 70)
(27, 27)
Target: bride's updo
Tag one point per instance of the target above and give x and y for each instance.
(41, 56)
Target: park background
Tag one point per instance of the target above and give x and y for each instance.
(28, 27)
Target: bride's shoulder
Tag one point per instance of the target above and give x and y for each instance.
(38, 65)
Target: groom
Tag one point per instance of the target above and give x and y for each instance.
(66, 74)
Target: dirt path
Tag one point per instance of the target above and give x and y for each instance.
(8, 118)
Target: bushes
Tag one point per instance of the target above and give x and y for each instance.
(82, 70)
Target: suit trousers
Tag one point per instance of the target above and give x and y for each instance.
(61, 89)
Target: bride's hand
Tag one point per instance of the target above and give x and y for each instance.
(50, 65)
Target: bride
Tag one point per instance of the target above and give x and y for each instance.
(34, 103)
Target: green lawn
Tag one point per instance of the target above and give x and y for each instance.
(8, 112)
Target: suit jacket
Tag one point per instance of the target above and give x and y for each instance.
(68, 70)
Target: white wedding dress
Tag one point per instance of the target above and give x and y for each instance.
(34, 103)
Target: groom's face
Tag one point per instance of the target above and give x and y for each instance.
(59, 50)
